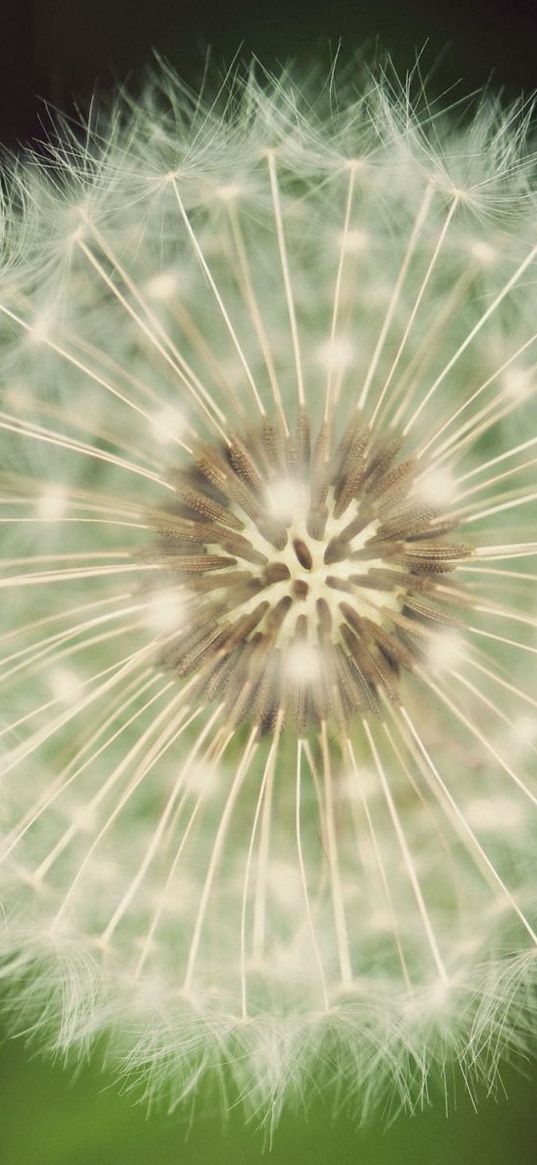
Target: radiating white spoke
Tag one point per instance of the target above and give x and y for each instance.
(225, 314)
(522, 499)
(63, 614)
(49, 437)
(468, 434)
(417, 303)
(165, 738)
(474, 730)
(497, 679)
(415, 370)
(154, 842)
(185, 834)
(86, 370)
(304, 878)
(377, 850)
(260, 892)
(268, 774)
(176, 362)
(48, 645)
(77, 574)
(489, 482)
(35, 520)
(120, 669)
(95, 502)
(466, 829)
(519, 575)
(484, 465)
(468, 401)
(508, 550)
(218, 844)
(419, 223)
(503, 639)
(67, 776)
(508, 286)
(407, 856)
(253, 307)
(329, 390)
(506, 613)
(291, 310)
(340, 922)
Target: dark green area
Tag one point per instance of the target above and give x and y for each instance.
(47, 1118)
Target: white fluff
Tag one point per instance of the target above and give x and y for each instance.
(185, 266)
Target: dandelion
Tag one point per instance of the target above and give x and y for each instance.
(268, 506)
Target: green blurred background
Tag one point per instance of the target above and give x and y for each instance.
(47, 1118)
(60, 50)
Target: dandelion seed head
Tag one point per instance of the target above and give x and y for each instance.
(267, 618)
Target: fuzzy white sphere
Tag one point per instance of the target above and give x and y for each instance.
(268, 618)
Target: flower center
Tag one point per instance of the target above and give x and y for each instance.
(310, 573)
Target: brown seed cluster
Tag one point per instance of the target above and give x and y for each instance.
(311, 571)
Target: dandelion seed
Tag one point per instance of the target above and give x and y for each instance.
(268, 711)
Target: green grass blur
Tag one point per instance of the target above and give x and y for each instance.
(49, 1118)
